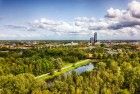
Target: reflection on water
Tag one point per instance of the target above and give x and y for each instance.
(78, 70)
(85, 68)
(81, 69)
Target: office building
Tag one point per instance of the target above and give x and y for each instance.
(95, 37)
(93, 40)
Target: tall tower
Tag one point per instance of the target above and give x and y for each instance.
(93, 40)
(95, 37)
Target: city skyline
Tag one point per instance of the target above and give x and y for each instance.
(69, 19)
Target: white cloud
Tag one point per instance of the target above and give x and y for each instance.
(117, 23)
(112, 13)
(134, 8)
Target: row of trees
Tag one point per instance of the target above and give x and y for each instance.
(114, 74)
(38, 61)
(118, 74)
(108, 77)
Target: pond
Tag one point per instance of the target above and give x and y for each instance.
(81, 69)
(85, 68)
(78, 70)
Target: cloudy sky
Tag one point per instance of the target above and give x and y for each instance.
(69, 19)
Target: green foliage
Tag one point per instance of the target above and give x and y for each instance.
(115, 73)
(38, 61)
(20, 84)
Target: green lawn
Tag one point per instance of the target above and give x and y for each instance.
(64, 69)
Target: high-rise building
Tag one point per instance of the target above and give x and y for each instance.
(95, 37)
(93, 40)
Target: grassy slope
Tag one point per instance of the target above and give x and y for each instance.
(64, 69)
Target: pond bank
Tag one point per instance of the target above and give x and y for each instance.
(65, 69)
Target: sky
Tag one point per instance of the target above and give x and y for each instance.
(69, 19)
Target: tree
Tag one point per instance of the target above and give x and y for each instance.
(102, 45)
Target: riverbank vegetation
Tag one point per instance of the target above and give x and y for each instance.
(67, 68)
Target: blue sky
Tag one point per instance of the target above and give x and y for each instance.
(22, 10)
(18, 15)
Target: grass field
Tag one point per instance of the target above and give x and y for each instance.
(64, 69)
